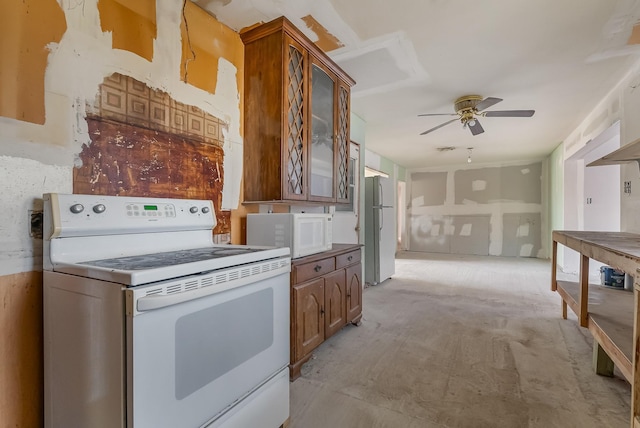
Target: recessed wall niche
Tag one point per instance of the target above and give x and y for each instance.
(144, 143)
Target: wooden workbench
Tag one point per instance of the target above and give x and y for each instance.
(610, 315)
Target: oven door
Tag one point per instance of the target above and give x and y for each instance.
(192, 361)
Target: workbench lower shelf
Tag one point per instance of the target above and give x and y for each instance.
(610, 315)
(610, 320)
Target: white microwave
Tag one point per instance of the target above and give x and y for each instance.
(303, 233)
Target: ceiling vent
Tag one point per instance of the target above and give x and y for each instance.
(445, 149)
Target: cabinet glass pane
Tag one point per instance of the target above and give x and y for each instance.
(295, 124)
(322, 137)
(343, 143)
(352, 183)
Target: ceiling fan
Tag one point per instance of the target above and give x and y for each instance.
(469, 107)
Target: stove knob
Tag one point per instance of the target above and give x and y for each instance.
(100, 208)
(193, 210)
(205, 209)
(76, 208)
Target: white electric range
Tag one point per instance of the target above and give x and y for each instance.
(147, 323)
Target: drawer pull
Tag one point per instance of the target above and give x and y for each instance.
(318, 268)
(350, 258)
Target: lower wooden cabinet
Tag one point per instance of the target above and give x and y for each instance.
(326, 294)
(354, 293)
(308, 312)
(335, 302)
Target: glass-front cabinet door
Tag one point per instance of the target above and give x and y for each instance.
(323, 134)
(295, 160)
(342, 144)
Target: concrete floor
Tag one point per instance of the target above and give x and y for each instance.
(459, 341)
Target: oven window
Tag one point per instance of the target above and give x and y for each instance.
(213, 341)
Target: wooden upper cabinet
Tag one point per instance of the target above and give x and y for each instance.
(296, 119)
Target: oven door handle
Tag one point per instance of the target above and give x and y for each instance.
(149, 303)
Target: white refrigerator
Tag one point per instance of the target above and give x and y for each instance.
(380, 229)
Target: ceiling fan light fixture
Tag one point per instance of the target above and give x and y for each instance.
(469, 107)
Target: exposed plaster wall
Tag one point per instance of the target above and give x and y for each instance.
(39, 158)
(24, 181)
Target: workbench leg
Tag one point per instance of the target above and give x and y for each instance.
(635, 377)
(602, 364)
(564, 309)
(554, 266)
(583, 315)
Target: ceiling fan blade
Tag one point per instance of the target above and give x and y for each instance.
(476, 128)
(438, 114)
(509, 113)
(487, 102)
(439, 126)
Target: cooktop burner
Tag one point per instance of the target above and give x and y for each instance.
(158, 260)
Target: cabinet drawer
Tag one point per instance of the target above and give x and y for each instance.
(347, 259)
(314, 269)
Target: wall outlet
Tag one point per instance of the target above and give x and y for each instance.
(35, 224)
(627, 187)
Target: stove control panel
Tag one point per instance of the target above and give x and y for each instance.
(151, 210)
(89, 215)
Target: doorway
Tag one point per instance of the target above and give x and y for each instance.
(592, 194)
(401, 215)
(346, 220)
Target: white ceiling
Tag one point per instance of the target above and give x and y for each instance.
(557, 57)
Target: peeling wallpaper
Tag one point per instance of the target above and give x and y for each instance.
(66, 42)
(32, 25)
(131, 23)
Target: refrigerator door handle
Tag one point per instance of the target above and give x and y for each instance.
(381, 223)
(381, 193)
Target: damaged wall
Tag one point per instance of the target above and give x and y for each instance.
(54, 57)
(488, 210)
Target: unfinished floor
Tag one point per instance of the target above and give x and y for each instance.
(459, 341)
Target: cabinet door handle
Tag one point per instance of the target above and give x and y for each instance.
(350, 258)
(317, 268)
(322, 311)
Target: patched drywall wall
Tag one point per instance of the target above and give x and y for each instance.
(498, 184)
(429, 188)
(488, 210)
